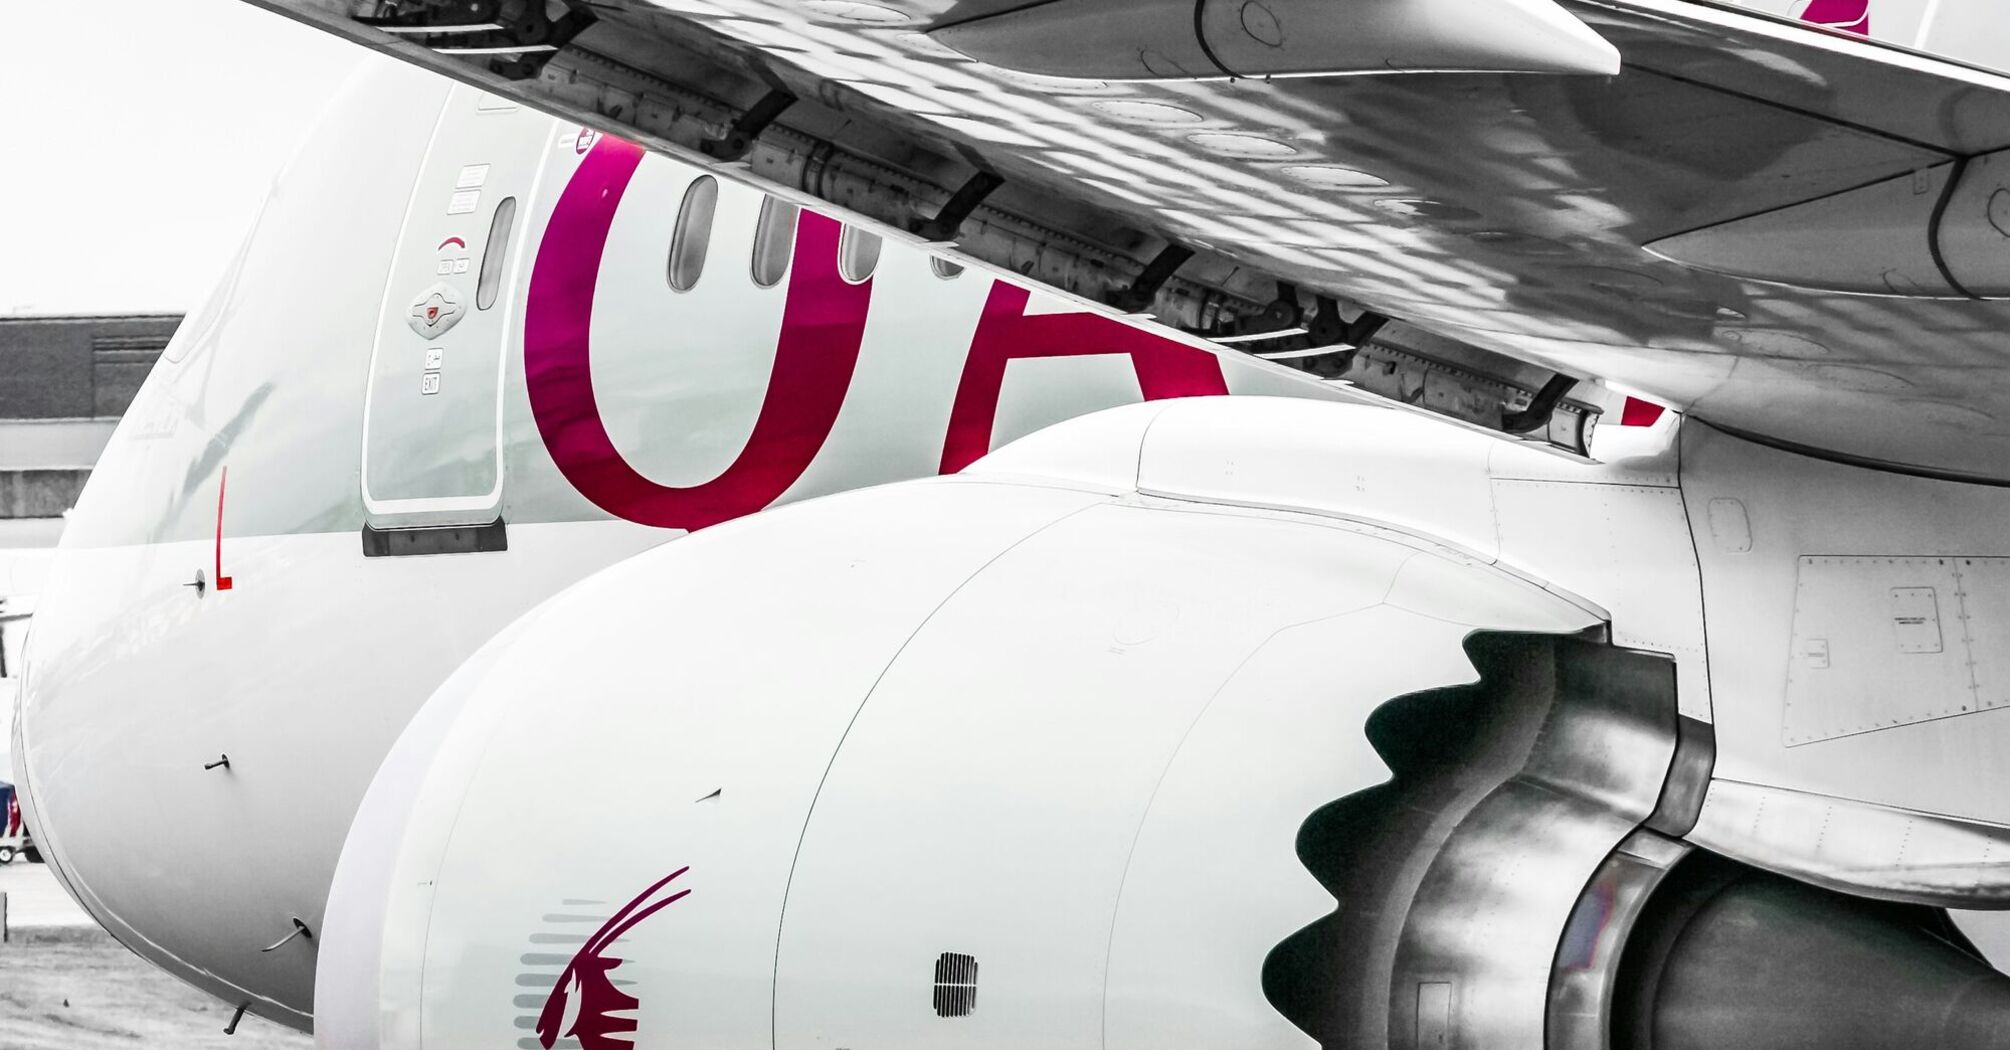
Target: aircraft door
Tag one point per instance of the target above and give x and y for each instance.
(432, 444)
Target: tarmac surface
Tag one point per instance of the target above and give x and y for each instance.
(66, 985)
(37, 905)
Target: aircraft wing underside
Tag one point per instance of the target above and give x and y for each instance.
(1795, 233)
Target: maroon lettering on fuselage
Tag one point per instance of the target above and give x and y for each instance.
(823, 322)
(823, 327)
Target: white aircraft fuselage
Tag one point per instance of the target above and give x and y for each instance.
(1065, 718)
(589, 405)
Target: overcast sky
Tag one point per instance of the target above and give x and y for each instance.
(140, 137)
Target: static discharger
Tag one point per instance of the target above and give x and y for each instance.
(299, 930)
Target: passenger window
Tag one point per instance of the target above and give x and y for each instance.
(694, 233)
(494, 254)
(858, 254)
(774, 241)
(944, 268)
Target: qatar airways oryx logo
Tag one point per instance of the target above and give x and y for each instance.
(816, 354)
(588, 1007)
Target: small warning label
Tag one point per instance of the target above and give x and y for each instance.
(1915, 619)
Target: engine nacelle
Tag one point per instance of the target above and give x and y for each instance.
(1028, 759)
(1033, 756)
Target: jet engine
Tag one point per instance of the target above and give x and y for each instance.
(1030, 756)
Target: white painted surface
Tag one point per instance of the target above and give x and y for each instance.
(267, 831)
(415, 623)
(1381, 465)
(1003, 713)
(1800, 507)
(701, 679)
(1625, 547)
(1886, 641)
(1100, 451)
(319, 652)
(364, 923)
(987, 799)
(432, 437)
(1615, 537)
(1039, 392)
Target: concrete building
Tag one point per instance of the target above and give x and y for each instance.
(64, 383)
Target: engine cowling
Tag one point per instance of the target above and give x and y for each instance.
(1032, 757)
(1037, 743)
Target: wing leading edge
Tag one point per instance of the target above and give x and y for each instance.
(1788, 231)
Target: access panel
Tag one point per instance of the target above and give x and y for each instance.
(431, 445)
(1885, 641)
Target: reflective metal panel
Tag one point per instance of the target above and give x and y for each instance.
(1586, 977)
(1455, 878)
(1859, 847)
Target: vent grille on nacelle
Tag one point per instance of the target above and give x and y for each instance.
(955, 985)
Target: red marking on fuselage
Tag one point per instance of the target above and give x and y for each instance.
(1638, 413)
(596, 1024)
(455, 241)
(223, 582)
(1850, 16)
